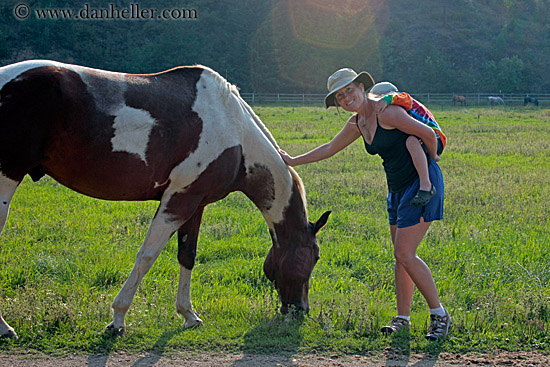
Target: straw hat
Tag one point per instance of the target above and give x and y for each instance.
(343, 77)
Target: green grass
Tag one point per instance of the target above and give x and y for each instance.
(63, 256)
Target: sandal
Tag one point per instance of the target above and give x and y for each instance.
(439, 327)
(423, 197)
(397, 324)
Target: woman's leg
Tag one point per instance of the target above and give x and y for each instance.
(410, 270)
(404, 285)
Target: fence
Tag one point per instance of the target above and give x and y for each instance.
(283, 98)
(318, 99)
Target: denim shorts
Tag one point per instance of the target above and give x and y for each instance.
(402, 213)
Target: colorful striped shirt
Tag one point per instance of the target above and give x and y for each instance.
(416, 110)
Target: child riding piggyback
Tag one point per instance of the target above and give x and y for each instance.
(389, 94)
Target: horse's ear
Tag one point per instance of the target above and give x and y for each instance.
(321, 222)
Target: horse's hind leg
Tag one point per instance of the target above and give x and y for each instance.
(188, 235)
(7, 189)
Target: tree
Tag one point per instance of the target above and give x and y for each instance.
(293, 45)
(510, 75)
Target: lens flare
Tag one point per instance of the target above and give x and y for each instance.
(310, 39)
(328, 23)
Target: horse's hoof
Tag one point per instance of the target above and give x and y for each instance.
(114, 331)
(192, 324)
(9, 335)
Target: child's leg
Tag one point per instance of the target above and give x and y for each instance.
(426, 191)
(420, 162)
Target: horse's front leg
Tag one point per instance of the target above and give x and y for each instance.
(157, 236)
(187, 250)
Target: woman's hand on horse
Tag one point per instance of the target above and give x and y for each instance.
(286, 157)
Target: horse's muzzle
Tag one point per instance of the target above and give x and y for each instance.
(294, 307)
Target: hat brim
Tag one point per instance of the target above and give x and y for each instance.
(362, 77)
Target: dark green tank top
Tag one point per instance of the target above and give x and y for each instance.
(396, 159)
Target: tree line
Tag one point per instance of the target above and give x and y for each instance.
(425, 46)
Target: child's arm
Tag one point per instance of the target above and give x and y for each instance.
(402, 99)
(382, 103)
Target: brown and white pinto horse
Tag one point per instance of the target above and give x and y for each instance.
(184, 137)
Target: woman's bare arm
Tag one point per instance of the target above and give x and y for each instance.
(345, 137)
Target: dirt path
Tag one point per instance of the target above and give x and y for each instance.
(526, 359)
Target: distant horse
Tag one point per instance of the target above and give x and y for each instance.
(183, 137)
(492, 101)
(459, 99)
(528, 99)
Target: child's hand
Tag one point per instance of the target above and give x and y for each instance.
(437, 158)
(380, 106)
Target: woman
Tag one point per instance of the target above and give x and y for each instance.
(385, 134)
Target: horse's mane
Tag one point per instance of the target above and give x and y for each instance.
(267, 133)
(228, 90)
(225, 88)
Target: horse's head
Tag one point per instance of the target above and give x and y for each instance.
(290, 262)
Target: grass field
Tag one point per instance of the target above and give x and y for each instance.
(63, 256)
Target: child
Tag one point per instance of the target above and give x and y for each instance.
(389, 95)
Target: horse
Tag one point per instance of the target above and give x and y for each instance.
(183, 137)
(491, 101)
(528, 99)
(459, 99)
